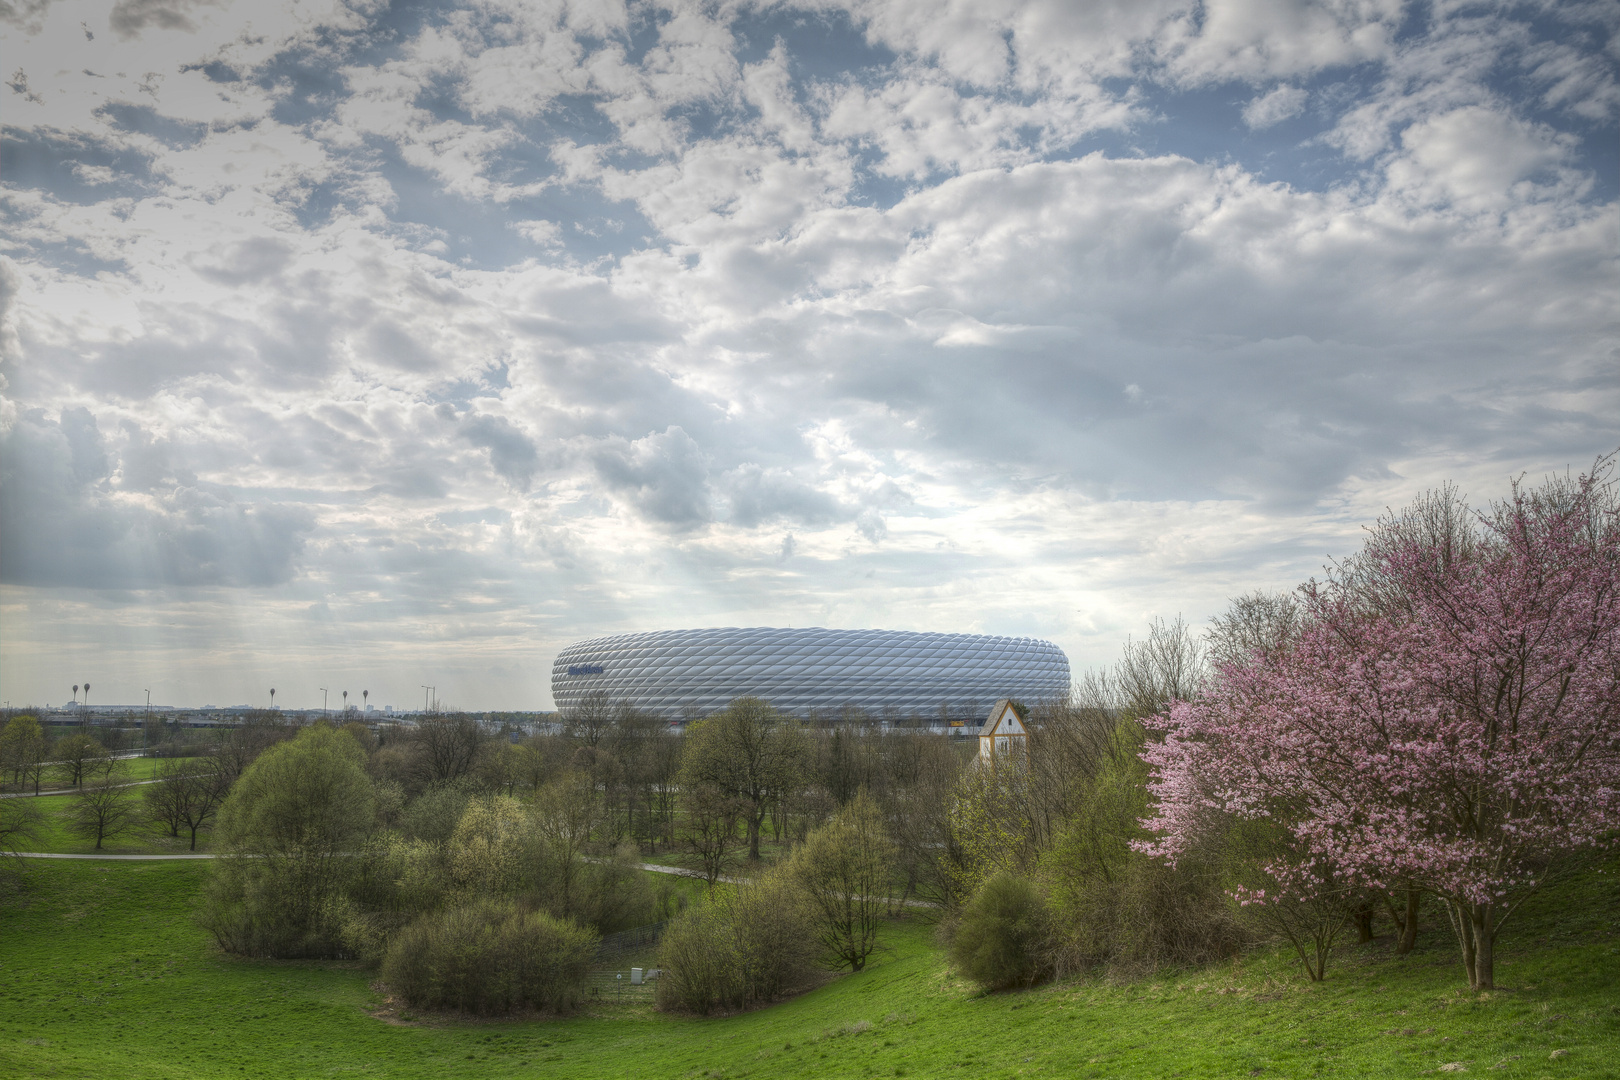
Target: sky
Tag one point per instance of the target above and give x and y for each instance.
(368, 345)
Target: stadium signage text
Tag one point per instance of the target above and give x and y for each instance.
(584, 669)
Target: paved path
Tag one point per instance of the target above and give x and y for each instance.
(681, 871)
(678, 871)
(65, 791)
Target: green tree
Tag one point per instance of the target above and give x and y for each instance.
(293, 832)
(187, 796)
(308, 799)
(844, 869)
(494, 843)
(103, 807)
(76, 753)
(565, 815)
(22, 750)
(709, 827)
(751, 753)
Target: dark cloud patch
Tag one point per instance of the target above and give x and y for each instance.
(86, 452)
(393, 345)
(512, 454)
(664, 476)
(588, 311)
(130, 17)
(756, 495)
(24, 13)
(247, 263)
(63, 526)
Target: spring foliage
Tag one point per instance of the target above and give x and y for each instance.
(1447, 714)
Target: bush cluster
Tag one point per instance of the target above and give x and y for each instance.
(1002, 937)
(489, 957)
(751, 944)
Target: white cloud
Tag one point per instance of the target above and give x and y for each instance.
(1275, 106)
(439, 344)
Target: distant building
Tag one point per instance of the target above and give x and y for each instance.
(1004, 735)
(886, 673)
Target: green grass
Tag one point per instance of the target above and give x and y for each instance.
(102, 973)
(141, 768)
(54, 837)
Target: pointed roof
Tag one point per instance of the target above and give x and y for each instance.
(1000, 714)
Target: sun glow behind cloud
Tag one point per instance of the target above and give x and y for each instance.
(351, 344)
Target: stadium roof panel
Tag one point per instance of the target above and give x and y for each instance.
(799, 670)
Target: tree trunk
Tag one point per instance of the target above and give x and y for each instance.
(1410, 924)
(756, 818)
(1484, 974)
(1472, 923)
(1364, 918)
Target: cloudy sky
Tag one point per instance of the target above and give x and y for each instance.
(367, 345)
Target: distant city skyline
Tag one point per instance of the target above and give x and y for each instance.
(374, 346)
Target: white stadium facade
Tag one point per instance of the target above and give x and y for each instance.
(887, 673)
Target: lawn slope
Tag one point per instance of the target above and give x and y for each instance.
(103, 974)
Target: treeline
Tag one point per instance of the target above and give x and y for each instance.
(478, 867)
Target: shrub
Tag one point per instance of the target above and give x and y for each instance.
(1146, 915)
(1000, 940)
(772, 926)
(701, 969)
(749, 945)
(1115, 906)
(490, 957)
(611, 894)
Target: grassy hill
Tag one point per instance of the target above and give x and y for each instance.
(103, 974)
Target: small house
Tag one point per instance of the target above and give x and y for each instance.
(1003, 735)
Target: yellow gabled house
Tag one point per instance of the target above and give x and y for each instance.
(1003, 734)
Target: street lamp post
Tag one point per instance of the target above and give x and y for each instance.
(146, 727)
(425, 691)
(322, 689)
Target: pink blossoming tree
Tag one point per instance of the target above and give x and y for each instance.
(1446, 714)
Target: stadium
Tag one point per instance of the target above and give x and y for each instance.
(890, 674)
